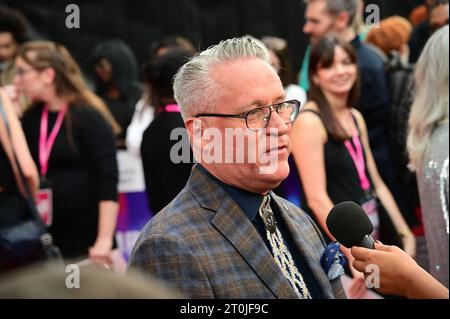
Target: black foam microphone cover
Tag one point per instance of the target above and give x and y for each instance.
(350, 225)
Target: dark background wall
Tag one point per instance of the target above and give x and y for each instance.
(205, 22)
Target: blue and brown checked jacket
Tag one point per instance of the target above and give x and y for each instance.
(203, 246)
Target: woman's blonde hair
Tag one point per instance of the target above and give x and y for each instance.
(69, 81)
(430, 106)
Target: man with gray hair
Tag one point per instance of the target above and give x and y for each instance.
(227, 235)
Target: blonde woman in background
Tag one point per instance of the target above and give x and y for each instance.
(428, 147)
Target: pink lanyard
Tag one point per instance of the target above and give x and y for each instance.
(172, 108)
(358, 159)
(46, 144)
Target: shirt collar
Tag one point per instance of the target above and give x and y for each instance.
(249, 202)
(356, 42)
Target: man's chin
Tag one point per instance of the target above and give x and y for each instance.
(274, 174)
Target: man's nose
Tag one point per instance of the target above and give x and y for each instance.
(307, 28)
(276, 122)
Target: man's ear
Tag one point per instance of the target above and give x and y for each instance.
(342, 22)
(194, 127)
(189, 124)
(48, 75)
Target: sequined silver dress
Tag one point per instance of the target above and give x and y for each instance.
(434, 196)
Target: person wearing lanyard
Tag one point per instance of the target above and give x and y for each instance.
(165, 176)
(331, 148)
(71, 138)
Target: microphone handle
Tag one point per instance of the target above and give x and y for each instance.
(368, 242)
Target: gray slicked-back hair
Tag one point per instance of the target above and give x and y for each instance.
(334, 7)
(195, 89)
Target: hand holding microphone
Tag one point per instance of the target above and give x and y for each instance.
(349, 224)
(399, 273)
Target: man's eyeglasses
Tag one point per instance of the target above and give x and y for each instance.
(258, 118)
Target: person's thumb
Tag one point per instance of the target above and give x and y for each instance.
(379, 246)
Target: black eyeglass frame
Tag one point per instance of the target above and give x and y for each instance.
(272, 107)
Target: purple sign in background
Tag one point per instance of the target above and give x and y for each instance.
(133, 215)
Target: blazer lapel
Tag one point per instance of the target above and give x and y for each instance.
(232, 223)
(310, 252)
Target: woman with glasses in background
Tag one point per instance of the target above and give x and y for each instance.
(71, 137)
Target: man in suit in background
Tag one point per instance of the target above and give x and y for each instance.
(227, 235)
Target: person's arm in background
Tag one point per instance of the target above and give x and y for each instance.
(108, 211)
(399, 274)
(99, 139)
(20, 145)
(385, 196)
(308, 139)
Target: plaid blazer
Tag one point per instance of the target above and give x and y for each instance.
(204, 246)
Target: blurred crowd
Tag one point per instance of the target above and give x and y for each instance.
(373, 129)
